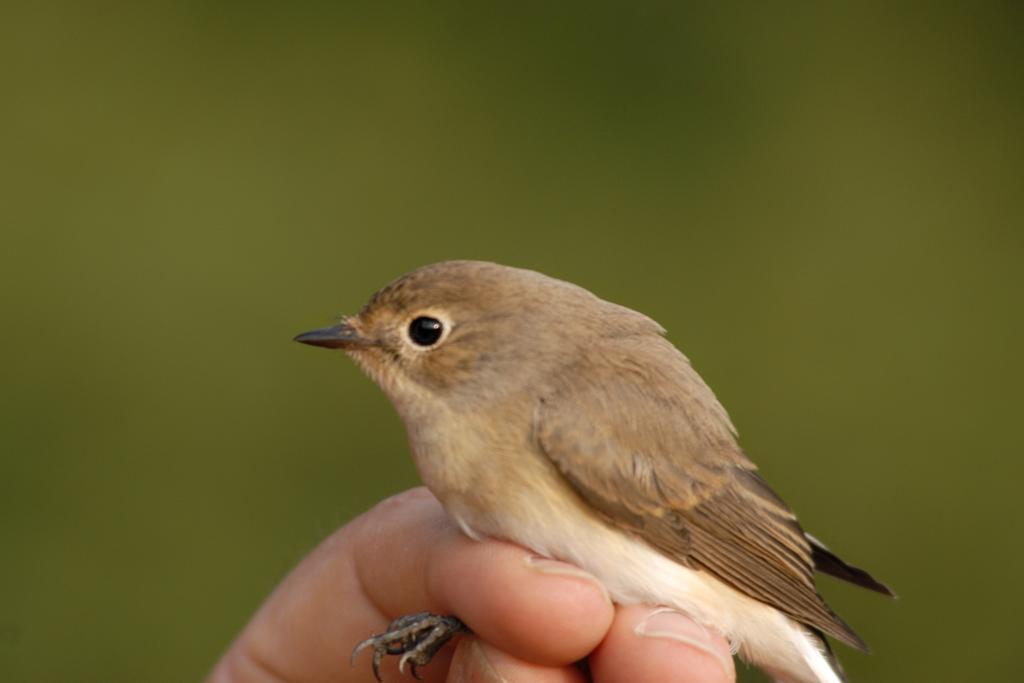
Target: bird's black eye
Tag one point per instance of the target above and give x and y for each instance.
(425, 331)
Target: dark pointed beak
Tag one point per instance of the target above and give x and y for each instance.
(342, 336)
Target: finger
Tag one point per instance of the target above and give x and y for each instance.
(310, 624)
(402, 557)
(646, 644)
(478, 662)
(537, 610)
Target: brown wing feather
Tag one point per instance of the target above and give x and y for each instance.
(641, 438)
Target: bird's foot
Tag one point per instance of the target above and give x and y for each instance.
(416, 637)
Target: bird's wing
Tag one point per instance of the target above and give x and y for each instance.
(643, 440)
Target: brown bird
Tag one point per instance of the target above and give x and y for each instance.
(543, 415)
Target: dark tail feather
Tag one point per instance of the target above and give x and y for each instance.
(826, 562)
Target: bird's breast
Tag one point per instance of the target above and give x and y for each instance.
(487, 472)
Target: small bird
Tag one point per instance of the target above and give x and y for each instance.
(541, 414)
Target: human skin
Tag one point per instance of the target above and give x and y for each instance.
(532, 619)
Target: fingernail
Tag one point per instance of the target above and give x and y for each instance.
(553, 567)
(471, 665)
(669, 624)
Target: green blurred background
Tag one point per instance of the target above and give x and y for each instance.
(821, 202)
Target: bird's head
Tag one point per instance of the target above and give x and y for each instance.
(467, 330)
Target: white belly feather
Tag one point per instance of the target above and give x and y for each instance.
(635, 573)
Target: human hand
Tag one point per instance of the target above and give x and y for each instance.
(531, 618)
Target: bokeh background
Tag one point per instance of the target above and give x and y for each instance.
(822, 202)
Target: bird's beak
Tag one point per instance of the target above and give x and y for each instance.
(341, 336)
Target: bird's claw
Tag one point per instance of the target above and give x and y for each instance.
(416, 637)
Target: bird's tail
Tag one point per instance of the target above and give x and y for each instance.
(810, 659)
(817, 655)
